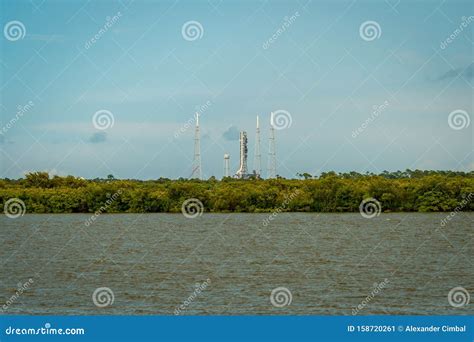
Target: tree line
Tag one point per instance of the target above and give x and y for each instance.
(422, 191)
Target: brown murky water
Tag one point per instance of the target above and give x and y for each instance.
(153, 263)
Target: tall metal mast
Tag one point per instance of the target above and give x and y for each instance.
(271, 151)
(258, 156)
(197, 171)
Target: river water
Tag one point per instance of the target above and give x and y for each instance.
(229, 264)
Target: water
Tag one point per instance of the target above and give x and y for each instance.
(153, 262)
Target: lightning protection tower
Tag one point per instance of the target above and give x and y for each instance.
(271, 151)
(258, 156)
(197, 171)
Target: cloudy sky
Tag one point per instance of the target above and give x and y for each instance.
(365, 85)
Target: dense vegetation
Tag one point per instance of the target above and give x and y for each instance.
(330, 192)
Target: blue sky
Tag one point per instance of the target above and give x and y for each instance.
(151, 79)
